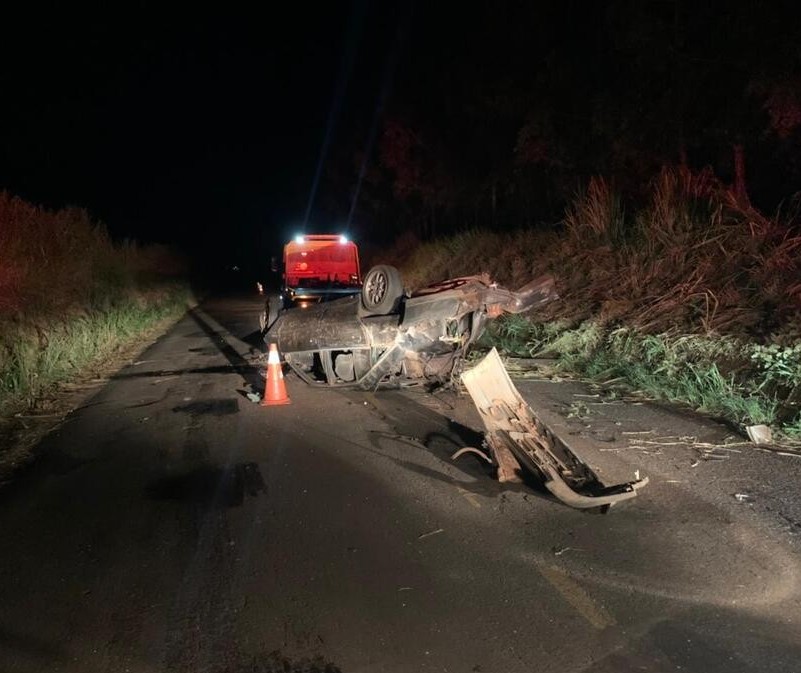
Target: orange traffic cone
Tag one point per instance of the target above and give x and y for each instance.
(274, 387)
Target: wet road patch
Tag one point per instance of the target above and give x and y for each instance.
(210, 486)
(212, 407)
(205, 350)
(275, 662)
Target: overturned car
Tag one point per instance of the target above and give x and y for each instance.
(386, 335)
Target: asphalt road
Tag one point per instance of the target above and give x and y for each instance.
(172, 525)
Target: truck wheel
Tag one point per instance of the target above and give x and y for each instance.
(382, 290)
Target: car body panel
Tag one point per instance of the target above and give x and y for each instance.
(519, 440)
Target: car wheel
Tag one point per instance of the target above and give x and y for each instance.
(382, 290)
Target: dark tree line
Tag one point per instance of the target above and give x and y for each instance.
(500, 112)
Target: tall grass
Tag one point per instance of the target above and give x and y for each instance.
(39, 354)
(689, 296)
(511, 258)
(69, 296)
(713, 375)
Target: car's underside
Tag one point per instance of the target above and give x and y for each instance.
(424, 338)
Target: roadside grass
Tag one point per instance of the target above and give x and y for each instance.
(70, 297)
(39, 354)
(689, 296)
(743, 382)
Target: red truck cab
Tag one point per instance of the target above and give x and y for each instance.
(319, 267)
(316, 268)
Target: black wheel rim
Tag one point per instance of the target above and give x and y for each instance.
(376, 289)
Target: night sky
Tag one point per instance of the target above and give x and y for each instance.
(206, 127)
(170, 125)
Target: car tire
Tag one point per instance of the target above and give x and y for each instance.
(382, 290)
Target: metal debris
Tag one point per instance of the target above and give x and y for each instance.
(558, 551)
(430, 533)
(711, 455)
(517, 438)
(470, 449)
(759, 434)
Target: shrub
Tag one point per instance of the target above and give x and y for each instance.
(69, 295)
(691, 295)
